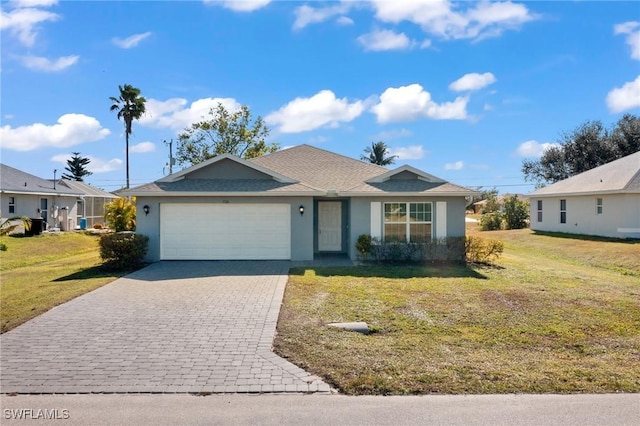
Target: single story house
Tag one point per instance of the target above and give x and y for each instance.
(292, 204)
(604, 201)
(61, 203)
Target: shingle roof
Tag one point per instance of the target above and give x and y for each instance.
(86, 190)
(619, 176)
(224, 185)
(408, 186)
(319, 168)
(16, 181)
(313, 171)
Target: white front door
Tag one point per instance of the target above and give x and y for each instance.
(329, 226)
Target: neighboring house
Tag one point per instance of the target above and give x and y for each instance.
(604, 201)
(60, 204)
(292, 204)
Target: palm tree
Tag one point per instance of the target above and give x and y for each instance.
(378, 154)
(130, 106)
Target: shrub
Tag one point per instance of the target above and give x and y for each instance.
(394, 252)
(491, 221)
(121, 215)
(481, 250)
(516, 213)
(123, 251)
(3, 247)
(364, 244)
(97, 226)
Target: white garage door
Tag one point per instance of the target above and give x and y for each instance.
(225, 231)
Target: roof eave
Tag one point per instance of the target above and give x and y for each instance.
(225, 194)
(409, 194)
(583, 194)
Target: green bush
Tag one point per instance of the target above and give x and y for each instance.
(491, 221)
(436, 250)
(121, 215)
(123, 251)
(364, 244)
(481, 250)
(516, 213)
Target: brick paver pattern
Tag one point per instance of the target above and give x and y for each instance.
(183, 327)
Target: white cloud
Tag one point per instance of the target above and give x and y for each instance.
(344, 20)
(306, 15)
(632, 29)
(96, 165)
(425, 44)
(413, 152)
(71, 129)
(458, 165)
(142, 147)
(240, 5)
(392, 134)
(479, 20)
(174, 114)
(380, 40)
(39, 63)
(323, 108)
(131, 41)
(533, 148)
(487, 107)
(625, 97)
(33, 3)
(410, 102)
(472, 81)
(23, 22)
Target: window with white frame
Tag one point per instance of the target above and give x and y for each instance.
(539, 210)
(598, 205)
(563, 211)
(12, 205)
(410, 222)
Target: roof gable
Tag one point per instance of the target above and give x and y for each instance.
(619, 176)
(227, 167)
(405, 172)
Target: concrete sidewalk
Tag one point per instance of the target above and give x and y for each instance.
(234, 409)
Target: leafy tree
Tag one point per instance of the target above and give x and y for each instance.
(77, 168)
(515, 212)
(130, 106)
(8, 225)
(588, 146)
(378, 153)
(121, 215)
(224, 132)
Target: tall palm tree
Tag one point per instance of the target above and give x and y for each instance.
(130, 106)
(378, 154)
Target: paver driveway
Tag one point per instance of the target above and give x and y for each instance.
(171, 327)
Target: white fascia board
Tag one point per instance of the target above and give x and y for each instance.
(48, 194)
(421, 175)
(181, 174)
(581, 194)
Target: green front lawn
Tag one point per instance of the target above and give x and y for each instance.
(44, 271)
(556, 315)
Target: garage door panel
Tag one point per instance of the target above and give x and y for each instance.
(225, 231)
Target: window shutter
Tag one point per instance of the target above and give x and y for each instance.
(441, 219)
(376, 219)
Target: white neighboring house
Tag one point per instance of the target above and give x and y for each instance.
(604, 201)
(61, 205)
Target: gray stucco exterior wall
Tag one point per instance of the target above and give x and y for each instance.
(301, 225)
(361, 215)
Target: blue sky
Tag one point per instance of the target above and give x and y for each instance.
(464, 90)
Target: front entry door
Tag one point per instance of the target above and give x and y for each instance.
(329, 226)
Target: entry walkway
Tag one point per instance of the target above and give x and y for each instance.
(173, 327)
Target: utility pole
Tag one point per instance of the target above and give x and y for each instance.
(54, 178)
(172, 161)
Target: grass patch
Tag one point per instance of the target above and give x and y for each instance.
(44, 271)
(556, 316)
